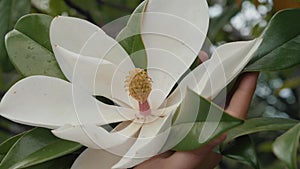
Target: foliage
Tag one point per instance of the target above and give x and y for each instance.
(277, 92)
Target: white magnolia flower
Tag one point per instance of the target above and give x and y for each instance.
(96, 65)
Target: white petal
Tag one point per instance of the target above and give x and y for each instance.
(177, 31)
(77, 39)
(51, 102)
(71, 33)
(164, 69)
(212, 76)
(95, 159)
(96, 75)
(100, 45)
(96, 137)
(179, 27)
(150, 141)
(91, 73)
(80, 36)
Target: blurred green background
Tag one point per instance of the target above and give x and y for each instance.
(277, 93)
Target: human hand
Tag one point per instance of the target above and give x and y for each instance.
(204, 157)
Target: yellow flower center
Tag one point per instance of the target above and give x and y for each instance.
(138, 83)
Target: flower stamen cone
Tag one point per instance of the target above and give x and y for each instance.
(139, 86)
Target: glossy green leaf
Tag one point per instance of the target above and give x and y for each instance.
(243, 150)
(7, 144)
(29, 48)
(131, 40)
(64, 162)
(285, 147)
(10, 12)
(35, 147)
(280, 46)
(260, 124)
(199, 121)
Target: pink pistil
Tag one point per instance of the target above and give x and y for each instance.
(144, 108)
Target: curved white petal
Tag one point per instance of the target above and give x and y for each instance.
(100, 45)
(212, 76)
(97, 137)
(97, 76)
(79, 38)
(71, 33)
(95, 159)
(92, 74)
(179, 27)
(51, 102)
(164, 69)
(151, 139)
(176, 32)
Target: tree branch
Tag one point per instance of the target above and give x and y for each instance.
(80, 10)
(115, 5)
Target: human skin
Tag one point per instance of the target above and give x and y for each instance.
(204, 157)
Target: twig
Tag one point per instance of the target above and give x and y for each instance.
(114, 5)
(80, 10)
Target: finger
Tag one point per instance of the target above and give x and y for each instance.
(203, 56)
(151, 163)
(210, 161)
(241, 99)
(155, 162)
(192, 159)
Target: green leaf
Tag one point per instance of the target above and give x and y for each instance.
(64, 162)
(260, 124)
(7, 144)
(285, 147)
(29, 48)
(130, 38)
(10, 12)
(198, 122)
(242, 150)
(35, 147)
(280, 46)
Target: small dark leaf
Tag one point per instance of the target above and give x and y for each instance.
(285, 147)
(243, 150)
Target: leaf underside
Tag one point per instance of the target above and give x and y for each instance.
(29, 47)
